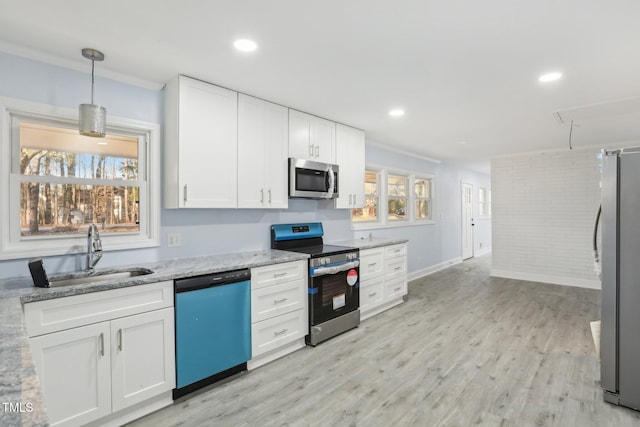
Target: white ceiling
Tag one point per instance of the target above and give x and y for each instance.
(465, 71)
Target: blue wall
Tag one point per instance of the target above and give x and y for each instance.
(214, 231)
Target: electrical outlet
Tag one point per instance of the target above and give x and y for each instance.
(174, 239)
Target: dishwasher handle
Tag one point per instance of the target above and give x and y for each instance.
(210, 280)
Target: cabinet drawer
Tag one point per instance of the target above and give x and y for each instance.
(395, 267)
(270, 301)
(43, 317)
(277, 273)
(278, 331)
(371, 293)
(371, 263)
(395, 288)
(395, 251)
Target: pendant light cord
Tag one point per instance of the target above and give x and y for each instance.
(93, 64)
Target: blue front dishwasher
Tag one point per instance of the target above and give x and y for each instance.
(213, 328)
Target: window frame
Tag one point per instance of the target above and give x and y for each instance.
(486, 202)
(14, 246)
(407, 188)
(429, 199)
(383, 199)
(377, 196)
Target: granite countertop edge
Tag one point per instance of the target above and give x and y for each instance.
(18, 380)
(368, 243)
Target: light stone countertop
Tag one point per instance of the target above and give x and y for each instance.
(370, 243)
(18, 381)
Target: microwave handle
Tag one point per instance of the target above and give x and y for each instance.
(332, 181)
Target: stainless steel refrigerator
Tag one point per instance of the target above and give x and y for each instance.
(620, 262)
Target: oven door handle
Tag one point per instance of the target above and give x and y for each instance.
(323, 271)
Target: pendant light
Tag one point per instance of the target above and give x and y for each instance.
(93, 118)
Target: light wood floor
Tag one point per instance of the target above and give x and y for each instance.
(465, 349)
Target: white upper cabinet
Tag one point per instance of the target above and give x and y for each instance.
(311, 137)
(263, 137)
(350, 159)
(201, 141)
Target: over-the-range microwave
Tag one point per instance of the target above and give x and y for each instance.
(312, 180)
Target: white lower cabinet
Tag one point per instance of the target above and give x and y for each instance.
(279, 316)
(383, 278)
(74, 373)
(111, 371)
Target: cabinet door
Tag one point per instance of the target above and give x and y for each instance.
(143, 359)
(323, 138)
(251, 152)
(276, 131)
(300, 145)
(74, 373)
(350, 157)
(208, 126)
(263, 136)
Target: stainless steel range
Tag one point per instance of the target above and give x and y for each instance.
(334, 286)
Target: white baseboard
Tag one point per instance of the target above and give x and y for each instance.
(432, 269)
(547, 278)
(482, 251)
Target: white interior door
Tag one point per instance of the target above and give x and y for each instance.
(467, 220)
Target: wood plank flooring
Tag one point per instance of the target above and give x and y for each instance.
(465, 349)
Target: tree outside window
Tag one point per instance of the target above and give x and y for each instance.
(397, 197)
(68, 181)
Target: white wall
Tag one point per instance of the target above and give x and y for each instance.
(544, 208)
(216, 231)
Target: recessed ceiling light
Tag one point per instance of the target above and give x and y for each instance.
(103, 143)
(245, 45)
(396, 112)
(549, 77)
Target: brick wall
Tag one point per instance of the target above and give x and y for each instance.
(544, 208)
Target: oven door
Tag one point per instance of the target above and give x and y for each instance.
(333, 291)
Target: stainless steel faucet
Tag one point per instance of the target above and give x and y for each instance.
(94, 247)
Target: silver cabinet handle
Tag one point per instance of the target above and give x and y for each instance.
(184, 193)
(350, 199)
(119, 339)
(262, 195)
(310, 150)
(373, 294)
(317, 151)
(397, 289)
(280, 332)
(269, 193)
(102, 344)
(276, 275)
(278, 301)
(354, 200)
(372, 264)
(398, 268)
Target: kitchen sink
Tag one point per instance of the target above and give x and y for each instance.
(97, 276)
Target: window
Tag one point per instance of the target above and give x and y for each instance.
(61, 181)
(484, 199)
(394, 199)
(68, 181)
(370, 211)
(422, 194)
(397, 197)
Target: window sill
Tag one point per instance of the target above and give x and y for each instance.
(378, 226)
